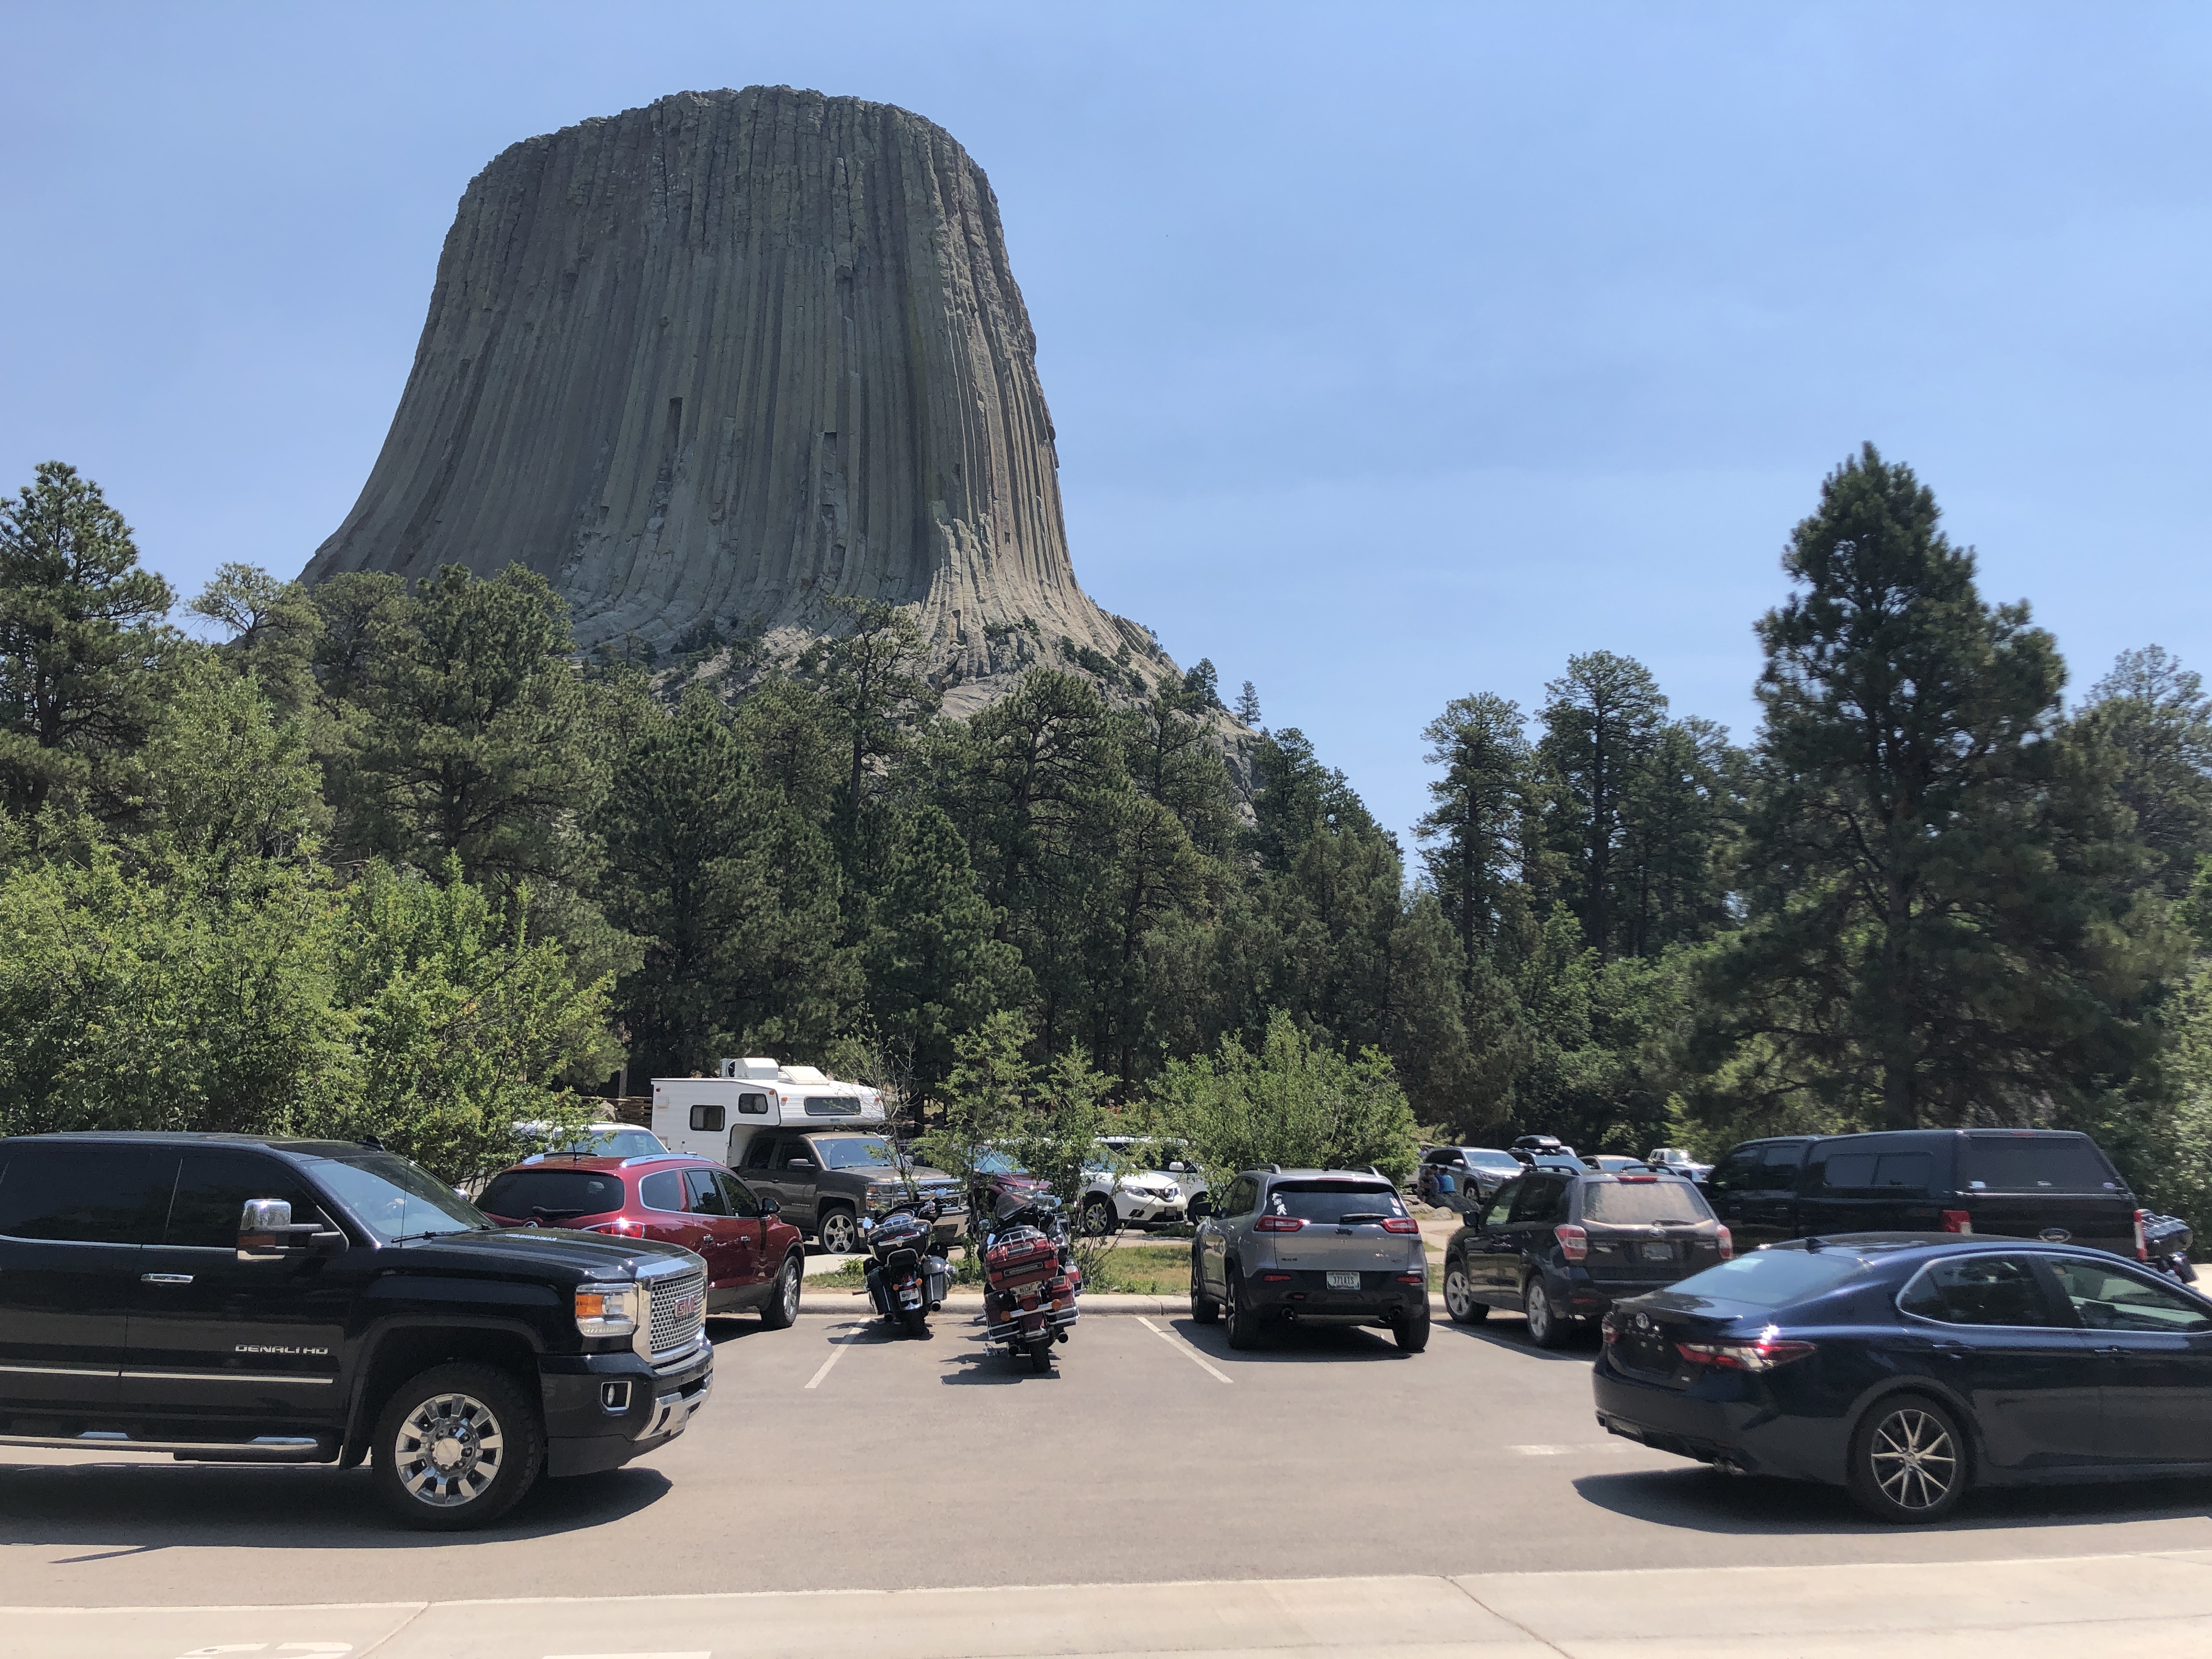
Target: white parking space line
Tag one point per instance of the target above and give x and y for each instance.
(630, 1655)
(1186, 1350)
(837, 1347)
(1564, 1451)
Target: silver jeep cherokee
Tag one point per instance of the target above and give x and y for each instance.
(1310, 1247)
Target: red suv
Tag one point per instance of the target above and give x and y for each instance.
(754, 1257)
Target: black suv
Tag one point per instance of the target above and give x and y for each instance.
(234, 1300)
(1562, 1245)
(2013, 1183)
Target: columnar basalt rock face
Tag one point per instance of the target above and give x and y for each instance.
(721, 358)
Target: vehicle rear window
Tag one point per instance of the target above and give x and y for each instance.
(1767, 1279)
(551, 1193)
(2034, 1163)
(1643, 1202)
(72, 1192)
(1332, 1200)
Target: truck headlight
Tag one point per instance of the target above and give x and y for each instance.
(606, 1309)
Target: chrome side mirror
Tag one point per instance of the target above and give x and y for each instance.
(264, 1229)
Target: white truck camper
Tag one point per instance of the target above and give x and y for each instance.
(715, 1116)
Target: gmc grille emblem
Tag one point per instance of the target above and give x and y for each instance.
(684, 1307)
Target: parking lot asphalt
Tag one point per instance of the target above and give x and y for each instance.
(836, 1457)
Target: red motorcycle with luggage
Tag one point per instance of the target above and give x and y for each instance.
(1031, 1281)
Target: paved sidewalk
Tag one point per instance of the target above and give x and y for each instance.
(2113, 1606)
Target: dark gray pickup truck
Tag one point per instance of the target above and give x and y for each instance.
(827, 1179)
(226, 1298)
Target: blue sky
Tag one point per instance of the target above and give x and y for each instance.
(1395, 352)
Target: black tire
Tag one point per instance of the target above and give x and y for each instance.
(497, 1440)
(1204, 1310)
(1097, 1217)
(915, 1321)
(1243, 1325)
(782, 1304)
(1909, 1461)
(1413, 1334)
(1459, 1295)
(839, 1230)
(1547, 1327)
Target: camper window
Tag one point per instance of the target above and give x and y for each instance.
(706, 1118)
(756, 1105)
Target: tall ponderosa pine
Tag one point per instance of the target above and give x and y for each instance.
(1471, 838)
(2152, 719)
(1603, 722)
(81, 634)
(1937, 934)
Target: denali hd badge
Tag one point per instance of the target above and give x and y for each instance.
(257, 1347)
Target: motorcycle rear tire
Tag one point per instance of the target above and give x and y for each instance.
(915, 1321)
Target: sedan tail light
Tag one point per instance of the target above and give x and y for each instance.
(1574, 1243)
(1277, 1224)
(629, 1228)
(1727, 1244)
(1401, 1223)
(1743, 1353)
(2143, 1244)
(1961, 1221)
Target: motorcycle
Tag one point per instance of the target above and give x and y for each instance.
(1030, 1280)
(906, 1275)
(2167, 1239)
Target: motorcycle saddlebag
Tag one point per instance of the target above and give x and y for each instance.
(1021, 1261)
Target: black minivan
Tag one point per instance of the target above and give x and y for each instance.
(2052, 1184)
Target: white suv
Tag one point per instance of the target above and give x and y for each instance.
(1142, 1198)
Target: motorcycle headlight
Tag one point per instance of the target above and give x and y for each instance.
(606, 1309)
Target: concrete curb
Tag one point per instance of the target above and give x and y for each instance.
(825, 1302)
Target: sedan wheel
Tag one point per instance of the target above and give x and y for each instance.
(1459, 1296)
(839, 1232)
(1908, 1460)
(1097, 1217)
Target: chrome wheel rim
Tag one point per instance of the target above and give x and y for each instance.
(448, 1450)
(1915, 1462)
(837, 1234)
(1459, 1296)
(1540, 1313)
(1095, 1220)
(790, 1289)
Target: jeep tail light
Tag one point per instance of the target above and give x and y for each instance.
(1754, 1353)
(1957, 1221)
(1401, 1223)
(2143, 1244)
(1574, 1243)
(606, 1309)
(1727, 1240)
(1277, 1224)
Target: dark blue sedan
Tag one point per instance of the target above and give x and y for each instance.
(1908, 1369)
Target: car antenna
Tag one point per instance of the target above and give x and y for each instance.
(1816, 1243)
(372, 1144)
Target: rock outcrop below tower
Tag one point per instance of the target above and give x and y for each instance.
(719, 359)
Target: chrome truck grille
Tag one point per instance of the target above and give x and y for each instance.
(678, 1302)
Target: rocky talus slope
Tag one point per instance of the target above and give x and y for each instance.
(714, 361)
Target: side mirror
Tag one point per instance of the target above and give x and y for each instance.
(867, 1224)
(770, 1204)
(928, 1211)
(799, 1163)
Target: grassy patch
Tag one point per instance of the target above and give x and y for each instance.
(1141, 1270)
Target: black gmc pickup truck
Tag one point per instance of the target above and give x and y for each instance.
(235, 1300)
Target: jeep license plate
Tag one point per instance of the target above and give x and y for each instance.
(1658, 1252)
(1343, 1281)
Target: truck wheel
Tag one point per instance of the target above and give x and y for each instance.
(839, 1231)
(457, 1446)
(1244, 1326)
(1097, 1217)
(1908, 1460)
(1546, 1327)
(782, 1304)
(1204, 1310)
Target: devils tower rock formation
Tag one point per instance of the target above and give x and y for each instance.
(718, 359)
